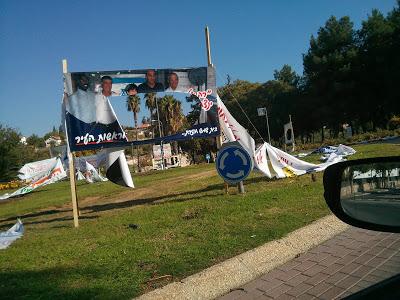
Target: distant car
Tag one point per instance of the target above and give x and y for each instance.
(366, 193)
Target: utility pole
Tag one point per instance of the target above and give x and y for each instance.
(71, 160)
(290, 120)
(269, 136)
(161, 135)
(209, 63)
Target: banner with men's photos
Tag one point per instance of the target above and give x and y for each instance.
(180, 104)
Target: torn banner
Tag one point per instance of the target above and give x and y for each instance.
(118, 170)
(53, 174)
(91, 122)
(12, 234)
(233, 131)
(36, 169)
(284, 164)
(91, 174)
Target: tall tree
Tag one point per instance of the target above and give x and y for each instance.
(375, 78)
(328, 73)
(151, 105)
(287, 75)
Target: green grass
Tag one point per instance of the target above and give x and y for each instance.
(186, 224)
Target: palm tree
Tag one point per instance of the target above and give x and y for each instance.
(171, 115)
(133, 105)
(150, 102)
(178, 119)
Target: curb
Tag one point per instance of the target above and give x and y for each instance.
(236, 271)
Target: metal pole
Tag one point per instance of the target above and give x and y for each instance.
(291, 124)
(72, 179)
(207, 32)
(209, 62)
(269, 136)
(161, 135)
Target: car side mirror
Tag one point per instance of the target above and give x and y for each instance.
(365, 193)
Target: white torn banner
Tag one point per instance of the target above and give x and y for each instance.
(52, 175)
(286, 165)
(341, 150)
(232, 130)
(261, 161)
(118, 169)
(36, 169)
(79, 175)
(92, 175)
(12, 234)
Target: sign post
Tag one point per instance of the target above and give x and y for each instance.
(234, 164)
(262, 111)
(209, 62)
(72, 179)
(290, 120)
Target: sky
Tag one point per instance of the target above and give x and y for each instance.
(249, 40)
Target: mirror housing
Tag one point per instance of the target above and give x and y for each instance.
(359, 193)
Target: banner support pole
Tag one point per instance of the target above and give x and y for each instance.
(72, 179)
(209, 63)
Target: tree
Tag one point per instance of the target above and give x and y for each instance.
(287, 75)
(377, 79)
(171, 116)
(10, 152)
(35, 141)
(151, 104)
(328, 73)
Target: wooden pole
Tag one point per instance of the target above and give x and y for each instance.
(209, 62)
(72, 179)
(241, 187)
(207, 32)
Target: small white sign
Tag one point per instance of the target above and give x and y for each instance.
(262, 111)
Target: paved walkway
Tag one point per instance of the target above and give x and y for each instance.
(345, 264)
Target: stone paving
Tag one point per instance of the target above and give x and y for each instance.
(343, 265)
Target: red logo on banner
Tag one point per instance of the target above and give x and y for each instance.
(205, 103)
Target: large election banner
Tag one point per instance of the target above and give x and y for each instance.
(182, 105)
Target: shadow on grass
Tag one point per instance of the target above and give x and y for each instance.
(61, 219)
(36, 214)
(54, 283)
(170, 198)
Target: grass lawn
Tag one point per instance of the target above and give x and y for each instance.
(185, 224)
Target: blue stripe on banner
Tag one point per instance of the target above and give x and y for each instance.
(128, 80)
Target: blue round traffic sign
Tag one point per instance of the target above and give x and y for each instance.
(233, 163)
